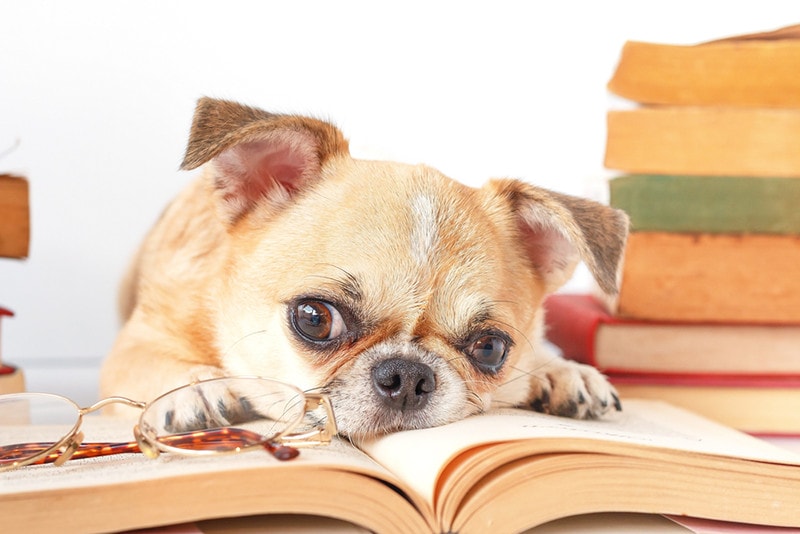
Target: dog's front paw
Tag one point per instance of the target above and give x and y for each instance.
(572, 389)
(197, 407)
(203, 403)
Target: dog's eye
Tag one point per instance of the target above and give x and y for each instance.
(488, 352)
(318, 321)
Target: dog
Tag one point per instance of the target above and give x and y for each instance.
(411, 299)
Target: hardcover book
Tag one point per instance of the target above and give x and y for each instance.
(708, 141)
(708, 204)
(755, 70)
(764, 405)
(721, 278)
(585, 331)
(14, 217)
(503, 471)
(11, 378)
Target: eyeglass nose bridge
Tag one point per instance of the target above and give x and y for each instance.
(74, 441)
(318, 436)
(113, 400)
(147, 448)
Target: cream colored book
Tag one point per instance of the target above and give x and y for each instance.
(11, 381)
(504, 471)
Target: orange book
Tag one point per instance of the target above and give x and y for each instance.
(14, 217)
(757, 70)
(711, 278)
(710, 141)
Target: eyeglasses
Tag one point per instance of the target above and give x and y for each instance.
(221, 415)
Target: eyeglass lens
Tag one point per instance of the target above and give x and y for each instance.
(32, 422)
(251, 411)
(221, 415)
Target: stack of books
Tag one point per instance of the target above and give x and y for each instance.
(708, 313)
(14, 243)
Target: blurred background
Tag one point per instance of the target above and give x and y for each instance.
(96, 100)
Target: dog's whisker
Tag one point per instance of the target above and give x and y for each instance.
(233, 345)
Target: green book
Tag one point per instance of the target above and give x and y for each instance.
(710, 204)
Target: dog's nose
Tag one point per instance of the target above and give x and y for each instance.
(403, 384)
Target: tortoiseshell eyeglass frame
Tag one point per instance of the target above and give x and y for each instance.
(225, 439)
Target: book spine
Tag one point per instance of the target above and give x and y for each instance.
(571, 324)
(708, 204)
(717, 380)
(705, 141)
(14, 217)
(12, 379)
(711, 278)
(758, 407)
(732, 72)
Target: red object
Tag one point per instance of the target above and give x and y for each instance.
(5, 369)
(585, 331)
(704, 380)
(572, 322)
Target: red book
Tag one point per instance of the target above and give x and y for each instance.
(585, 331)
(4, 369)
(11, 378)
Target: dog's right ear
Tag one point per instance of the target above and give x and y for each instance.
(258, 155)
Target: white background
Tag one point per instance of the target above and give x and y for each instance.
(100, 96)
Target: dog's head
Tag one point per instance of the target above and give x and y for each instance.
(411, 299)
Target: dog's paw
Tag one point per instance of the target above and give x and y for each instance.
(572, 389)
(200, 405)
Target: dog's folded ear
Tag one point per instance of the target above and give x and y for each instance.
(559, 230)
(258, 155)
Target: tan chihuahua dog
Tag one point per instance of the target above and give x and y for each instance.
(409, 298)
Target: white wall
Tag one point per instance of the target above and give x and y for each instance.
(100, 95)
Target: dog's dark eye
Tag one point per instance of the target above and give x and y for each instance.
(488, 352)
(318, 321)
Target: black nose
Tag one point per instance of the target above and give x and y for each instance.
(403, 384)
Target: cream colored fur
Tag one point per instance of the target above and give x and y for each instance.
(419, 264)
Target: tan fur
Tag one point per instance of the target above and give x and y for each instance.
(420, 261)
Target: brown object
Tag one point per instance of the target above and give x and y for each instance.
(755, 406)
(705, 141)
(12, 380)
(749, 70)
(14, 217)
(711, 278)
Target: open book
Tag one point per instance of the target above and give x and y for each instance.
(504, 471)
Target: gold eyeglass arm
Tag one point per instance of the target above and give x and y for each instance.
(318, 436)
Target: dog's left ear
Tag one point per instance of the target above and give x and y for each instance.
(258, 155)
(559, 230)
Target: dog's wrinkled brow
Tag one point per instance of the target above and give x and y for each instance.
(346, 284)
(481, 316)
(459, 326)
(351, 287)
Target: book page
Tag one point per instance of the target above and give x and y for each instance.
(419, 456)
(122, 468)
(120, 491)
